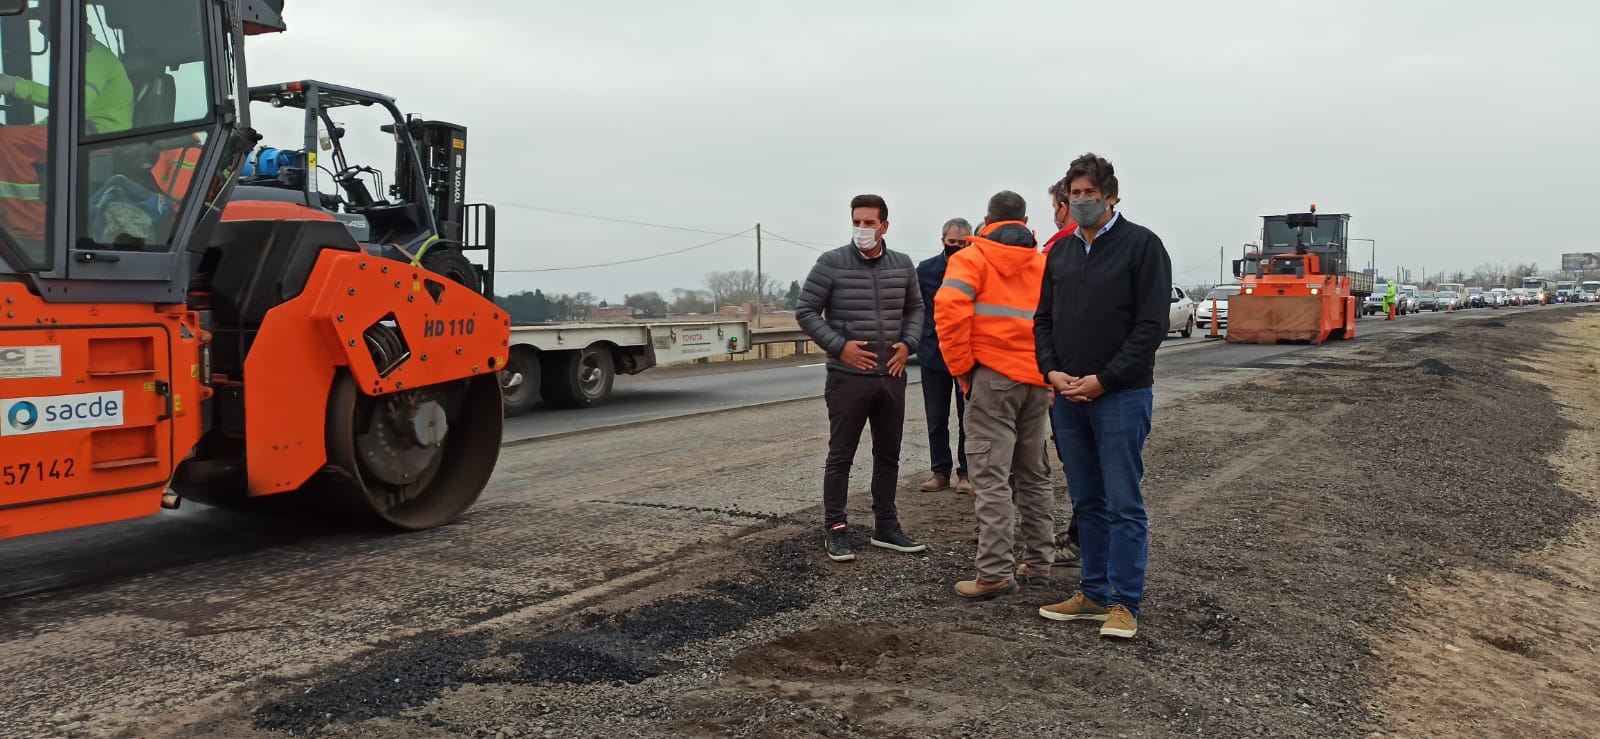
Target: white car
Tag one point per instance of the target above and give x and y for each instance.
(1220, 294)
(1181, 316)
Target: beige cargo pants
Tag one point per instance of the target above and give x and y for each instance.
(1007, 425)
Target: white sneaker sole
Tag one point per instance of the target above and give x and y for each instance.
(1119, 633)
(1053, 616)
(907, 550)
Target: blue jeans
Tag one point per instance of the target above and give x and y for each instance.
(937, 389)
(1102, 449)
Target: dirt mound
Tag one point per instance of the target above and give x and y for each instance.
(833, 650)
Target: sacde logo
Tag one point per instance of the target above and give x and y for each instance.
(61, 413)
(22, 416)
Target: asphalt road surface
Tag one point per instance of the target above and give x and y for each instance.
(646, 398)
(147, 626)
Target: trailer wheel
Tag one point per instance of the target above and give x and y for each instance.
(576, 379)
(519, 381)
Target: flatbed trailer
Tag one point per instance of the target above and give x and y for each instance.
(573, 365)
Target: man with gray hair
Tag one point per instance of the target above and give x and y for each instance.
(937, 384)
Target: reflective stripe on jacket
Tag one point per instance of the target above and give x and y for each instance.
(984, 310)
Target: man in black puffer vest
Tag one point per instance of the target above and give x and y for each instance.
(861, 304)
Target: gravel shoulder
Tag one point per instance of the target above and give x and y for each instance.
(1511, 646)
(1311, 575)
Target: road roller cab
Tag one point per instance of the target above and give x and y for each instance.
(154, 347)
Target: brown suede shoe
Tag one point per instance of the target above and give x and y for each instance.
(980, 590)
(935, 484)
(1076, 608)
(1121, 623)
(964, 485)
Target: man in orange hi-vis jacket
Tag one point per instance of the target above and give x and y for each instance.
(984, 316)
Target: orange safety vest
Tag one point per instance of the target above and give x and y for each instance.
(983, 312)
(174, 170)
(23, 150)
(22, 153)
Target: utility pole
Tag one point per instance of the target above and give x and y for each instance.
(1222, 254)
(759, 285)
(1372, 266)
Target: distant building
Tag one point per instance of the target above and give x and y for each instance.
(614, 313)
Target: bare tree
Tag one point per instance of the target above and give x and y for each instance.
(737, 287)
(1487, 274)
(692, 301)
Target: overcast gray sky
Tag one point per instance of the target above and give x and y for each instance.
(1455, 133)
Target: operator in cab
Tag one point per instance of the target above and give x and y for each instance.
(107, 92)
(108, 108)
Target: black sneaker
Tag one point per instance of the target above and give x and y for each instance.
(838, 544)
(893, 537)
(1067, 552)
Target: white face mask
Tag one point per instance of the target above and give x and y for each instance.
(866, 238)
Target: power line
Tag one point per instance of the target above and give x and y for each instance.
(631, 222)
(713, 242)
(801, 244)
(610, 219)
(1202, 265)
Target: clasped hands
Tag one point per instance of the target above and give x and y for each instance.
(1076, 389)
(855, 354)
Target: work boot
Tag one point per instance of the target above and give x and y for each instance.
(1121, 624)
(893, 537)
(936, 483)
(838, 544)
(1076, 608)
(980, 590)
(1033, 577)
(964, 485)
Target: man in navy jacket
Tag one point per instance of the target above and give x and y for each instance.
(937, 384)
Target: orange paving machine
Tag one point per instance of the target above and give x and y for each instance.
(165, 334)
(1296, 287)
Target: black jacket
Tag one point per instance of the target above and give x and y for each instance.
(1105, 313)
(930, 275)
(849, 298)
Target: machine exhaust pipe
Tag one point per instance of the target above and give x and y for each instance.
(170, 500)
